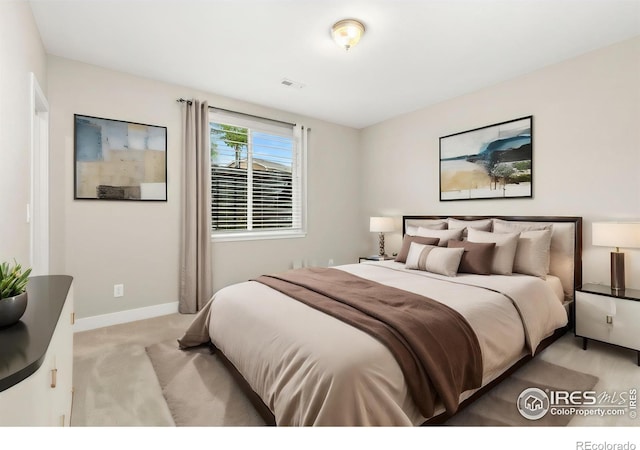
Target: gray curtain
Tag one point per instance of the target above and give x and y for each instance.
(196, 284)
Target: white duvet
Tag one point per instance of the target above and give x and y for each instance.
(312, 369)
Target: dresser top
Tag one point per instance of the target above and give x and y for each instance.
(24, 344)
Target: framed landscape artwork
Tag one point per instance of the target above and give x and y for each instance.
(118, 160)
(490, 162)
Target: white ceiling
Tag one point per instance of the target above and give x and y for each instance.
(413, 54)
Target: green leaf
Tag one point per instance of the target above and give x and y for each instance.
(13, 280)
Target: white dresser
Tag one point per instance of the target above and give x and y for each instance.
(36, 361)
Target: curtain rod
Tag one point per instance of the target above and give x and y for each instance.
(188, 102)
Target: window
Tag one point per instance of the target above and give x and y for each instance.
(257, 177)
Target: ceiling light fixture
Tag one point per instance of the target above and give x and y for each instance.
(347, 32)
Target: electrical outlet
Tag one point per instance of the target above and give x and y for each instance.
(118, 290)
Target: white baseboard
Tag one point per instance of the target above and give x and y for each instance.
(131, 315)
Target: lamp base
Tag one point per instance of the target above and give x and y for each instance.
(617, 272)
(381, 252)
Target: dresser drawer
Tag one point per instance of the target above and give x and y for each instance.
(608, 319)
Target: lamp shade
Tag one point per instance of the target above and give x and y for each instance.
(381, 224)
(616, 234)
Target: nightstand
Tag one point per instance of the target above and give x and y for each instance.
(604, 316)
(376, 258)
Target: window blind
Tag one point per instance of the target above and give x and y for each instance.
(257, 176)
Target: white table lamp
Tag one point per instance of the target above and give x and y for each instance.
(381, 225)
(616, 234)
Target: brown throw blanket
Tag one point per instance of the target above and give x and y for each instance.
(434, 345)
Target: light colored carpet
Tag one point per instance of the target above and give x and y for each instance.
(200, 391)
(498, 406)
(115, 383)
(198, 388)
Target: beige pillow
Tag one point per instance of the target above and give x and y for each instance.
(429, 258)
(533, 253)
(406, 244)
(505, 250)
(412, 230)
(443, 235)
(482, 225)
(508, 226)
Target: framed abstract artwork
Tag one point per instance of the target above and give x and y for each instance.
(119, 160)
(490, 162)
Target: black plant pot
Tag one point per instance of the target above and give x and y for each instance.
(12, 309)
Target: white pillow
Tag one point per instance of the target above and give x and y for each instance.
(533, 253)
(505, 250)
(430, 258)
(443, 235)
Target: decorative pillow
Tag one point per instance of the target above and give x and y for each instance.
(505, 250)
(533, 253)
(482, 225)
(477, 257)
(443, 235)
(412, 230)
(508, 226)
(406, 243)
(430, 258)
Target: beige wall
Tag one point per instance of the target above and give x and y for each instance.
(586, 150)
(136, 243)
(586, 158)
(21, 52)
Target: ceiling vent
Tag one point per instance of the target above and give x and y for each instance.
(291, 84)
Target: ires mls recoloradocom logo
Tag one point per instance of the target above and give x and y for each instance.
(534, 403)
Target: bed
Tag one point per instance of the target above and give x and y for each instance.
(302, 364)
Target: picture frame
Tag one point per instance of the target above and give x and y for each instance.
(490, 162)
(119, 160)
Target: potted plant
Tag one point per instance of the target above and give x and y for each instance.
(13, 293)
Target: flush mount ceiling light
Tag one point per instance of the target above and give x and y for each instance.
(347, 32)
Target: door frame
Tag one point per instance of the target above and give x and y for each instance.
(38, 210)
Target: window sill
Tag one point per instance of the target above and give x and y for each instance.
(257, 235)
